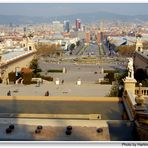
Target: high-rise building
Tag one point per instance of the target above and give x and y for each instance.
(100, 37)
(87, 37)
(66, 26)
(78, 24)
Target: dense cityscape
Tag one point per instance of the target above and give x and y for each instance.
(72, 80)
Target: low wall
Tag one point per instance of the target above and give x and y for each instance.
(61, 98)
(53, 116)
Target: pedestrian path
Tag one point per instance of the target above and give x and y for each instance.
(54, 129)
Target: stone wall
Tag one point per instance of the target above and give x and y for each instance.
(22, 62)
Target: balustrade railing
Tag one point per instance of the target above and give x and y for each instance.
(144, 91)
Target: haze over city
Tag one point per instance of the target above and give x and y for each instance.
(59, 9)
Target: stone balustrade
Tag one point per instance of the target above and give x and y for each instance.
(129, 103)
(144, 91)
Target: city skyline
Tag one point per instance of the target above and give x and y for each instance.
(61, 9)
(74, 72)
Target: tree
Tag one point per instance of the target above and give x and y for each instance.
(34, 65)
(117, 88)
(47, 49)
(72, 46)
(145, 45)
(140, 75)
(121, 76)
(126, 50)
(113, 91)
(145, 83)
(78, 43)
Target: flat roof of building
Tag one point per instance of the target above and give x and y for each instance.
(14, 53)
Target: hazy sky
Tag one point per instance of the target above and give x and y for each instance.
(50, 9)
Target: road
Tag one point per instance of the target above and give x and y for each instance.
(92, 49)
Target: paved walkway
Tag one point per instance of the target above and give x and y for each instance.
(67, 89)
(83, 130)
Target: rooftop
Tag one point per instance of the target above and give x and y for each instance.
(14, 53)
(143, 54)
(118, 40)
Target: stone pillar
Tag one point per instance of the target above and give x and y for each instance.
(64, 70)
(129, 85)
(102, 70)
(57, 82)
(78, 82)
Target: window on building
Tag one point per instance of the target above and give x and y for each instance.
(30, 48)
(139, 48)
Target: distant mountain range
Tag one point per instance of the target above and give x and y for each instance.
(17, 19)
(85, 17)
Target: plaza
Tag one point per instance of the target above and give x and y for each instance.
(70, 89)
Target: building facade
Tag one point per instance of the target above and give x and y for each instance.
(78, 24)
(66, 26)
(87, 37)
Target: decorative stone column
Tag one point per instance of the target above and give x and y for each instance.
(129, 85)
(79, 82)
(57, 82)
(102, 70)
(64, 70)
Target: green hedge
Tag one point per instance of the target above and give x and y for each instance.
(48, 78)
(38, 75)
(55, 70)
(105, 81)
(111, 71)
(38, 70)
(33, 82)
